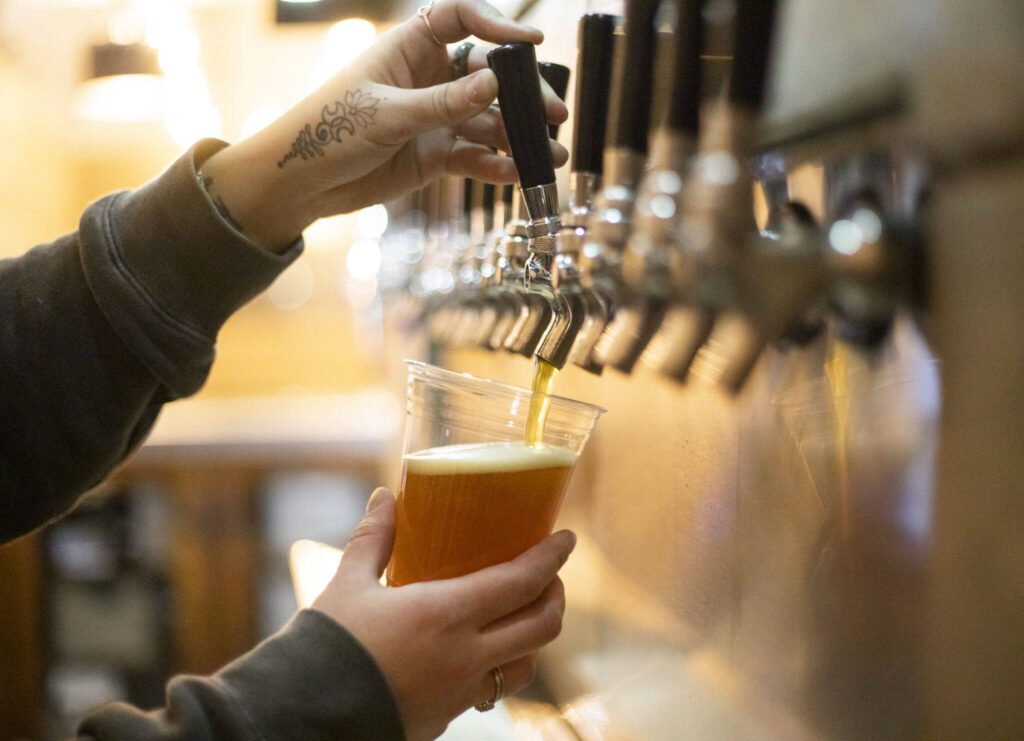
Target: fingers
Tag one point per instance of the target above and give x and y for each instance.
(447, 104)
(454, 20)
(494, 592)
(517, 676)
(527, 629)
(480, 162)
(487, 128)
(369, 548)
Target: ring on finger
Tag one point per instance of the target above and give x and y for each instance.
(499, 690)
(460, 60)
(424, 12)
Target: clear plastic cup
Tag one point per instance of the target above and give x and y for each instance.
(473, 493)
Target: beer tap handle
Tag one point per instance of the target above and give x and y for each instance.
(630, 114)
(557, 76)
(754, 28)
(684, 102)
(487, 198)
(506, 205)
(594, 53)
(480, 211)
(522, 109)
(467, 204)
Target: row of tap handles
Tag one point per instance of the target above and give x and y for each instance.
(657, 252)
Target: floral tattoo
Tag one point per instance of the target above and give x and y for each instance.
(357, 112)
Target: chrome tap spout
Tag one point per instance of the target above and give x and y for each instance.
(567, 313)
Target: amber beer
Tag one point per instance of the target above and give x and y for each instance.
(465, 507)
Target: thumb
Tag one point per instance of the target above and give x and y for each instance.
(451, 102)
(369, 548)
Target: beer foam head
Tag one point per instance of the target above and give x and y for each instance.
(500, 457)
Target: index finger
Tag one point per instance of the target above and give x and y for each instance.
(454, 20)
(497, 591)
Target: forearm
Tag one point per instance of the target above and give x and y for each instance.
(310, 681)
(104, 326)
(265, 203)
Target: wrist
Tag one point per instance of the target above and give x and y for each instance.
(254, 196)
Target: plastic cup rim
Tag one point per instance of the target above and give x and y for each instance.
(489, 385)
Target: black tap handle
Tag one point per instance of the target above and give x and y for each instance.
(507, 191)
(467, 199)
(684, 103)
(557, 76)
(630, 109)
(522, 109)
(755, 24)
(594, 53)
(488, 197)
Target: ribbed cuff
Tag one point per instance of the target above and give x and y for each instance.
(168, 271)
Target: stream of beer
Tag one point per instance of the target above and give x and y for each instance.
(544, 375)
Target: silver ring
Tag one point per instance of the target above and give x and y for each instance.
(499, 690)
(423, 11)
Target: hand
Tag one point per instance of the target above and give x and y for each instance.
(391, 122)
(436, 642)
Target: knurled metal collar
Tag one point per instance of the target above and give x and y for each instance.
(546, 244)
(543, 227)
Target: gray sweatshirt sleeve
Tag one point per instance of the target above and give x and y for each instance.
(310, 681)
(102, 327)
(98, 330)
